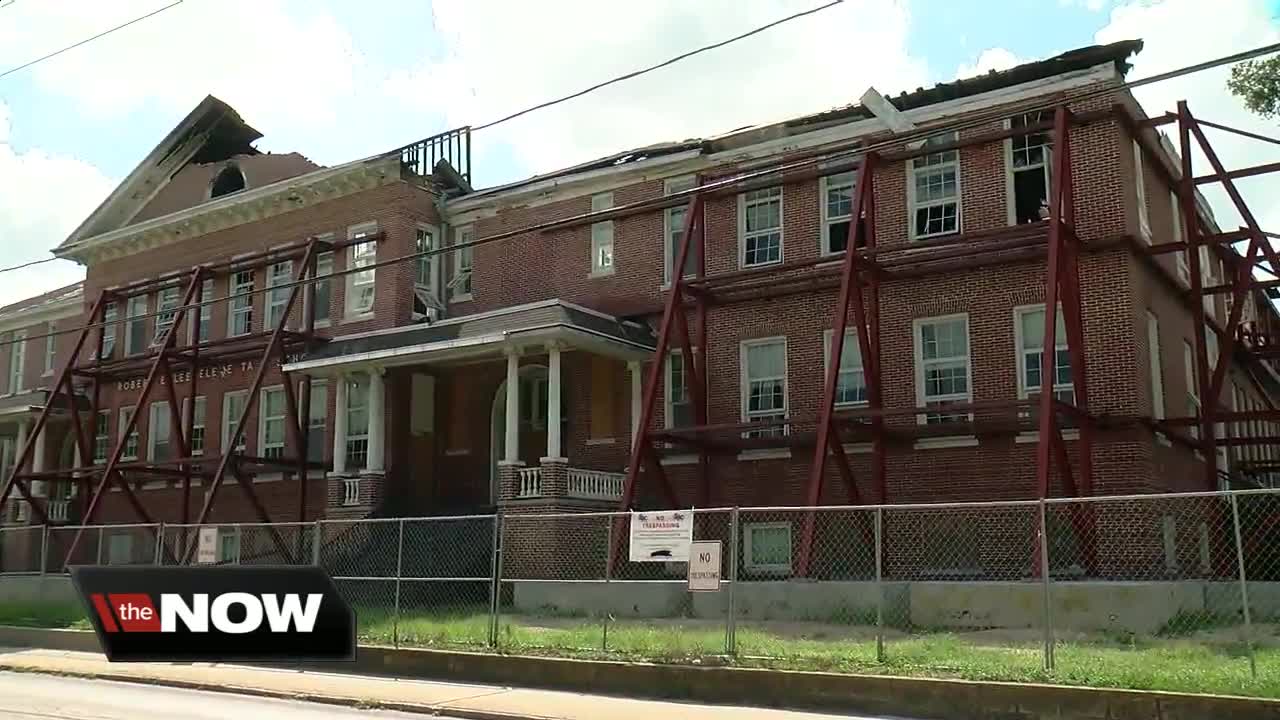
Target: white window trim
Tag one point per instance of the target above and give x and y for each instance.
(1193, 392)
(153, 412)
(272, 305)
(263, 418)
(129, 320)
(852, 334)
(1180, 257)
(669, 187)
(350, 311)
(313, 408)
(1140, 187)
(50, 350)
(456, 272)
(227, 421)
(234, 292)
(206, 313)
(110, 318)
(160, 324)
(911, 197)
(198, 421)
(106, 446)
(824, 220)
(18, 362)
(916, 341)
(742, 230)
(602, 234)
(1154, 366)
(432, 289)
(122, 418)
(351, 434)
(1011, 205)
(744, 391)
(1060, 343)
(328, 255)
(667, 409)
(769, 568)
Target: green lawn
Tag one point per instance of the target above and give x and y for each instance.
(1192, 662)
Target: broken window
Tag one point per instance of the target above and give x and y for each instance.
(1029, 163)
(228, 181)
(837, 209)
(935, 189)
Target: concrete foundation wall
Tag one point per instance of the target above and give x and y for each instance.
(38, 589)
(1137, 607)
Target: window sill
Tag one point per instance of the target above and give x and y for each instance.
(857, 448)
(601, 441)
(1034, 436)
(765, 454)
(744, 266)
(462, 298)
(601, 274)
(951, 441)
(679, 460)
(775, 570)
(320, 324)
(1163, 439)
(456, 452)
(351, 317)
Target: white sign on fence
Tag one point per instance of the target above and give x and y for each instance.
(661, 536)
(704, 566)
(207, 551)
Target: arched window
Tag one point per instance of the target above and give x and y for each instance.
(228, 181)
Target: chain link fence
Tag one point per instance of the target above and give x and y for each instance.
(1139, 584)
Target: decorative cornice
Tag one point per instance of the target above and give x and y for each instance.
(239, 209)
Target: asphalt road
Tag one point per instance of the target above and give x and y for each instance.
(26, 696)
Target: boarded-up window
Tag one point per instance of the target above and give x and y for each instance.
(603, 371)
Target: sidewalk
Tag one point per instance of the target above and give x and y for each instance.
(481, 702)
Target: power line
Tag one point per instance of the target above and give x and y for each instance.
(972, 121)
(104, 33)
(651, 68)
(27, 264)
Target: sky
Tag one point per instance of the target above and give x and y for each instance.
(338, 80)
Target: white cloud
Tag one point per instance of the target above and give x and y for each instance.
(505, 56)
(42, 198)
(1174, 35)
(996, 58)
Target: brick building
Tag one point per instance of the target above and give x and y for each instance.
(410, 412)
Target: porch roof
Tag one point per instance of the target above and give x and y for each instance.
(486, 333)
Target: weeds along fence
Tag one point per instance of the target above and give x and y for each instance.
(1027, 585)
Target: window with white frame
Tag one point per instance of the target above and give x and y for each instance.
(837, 213)
(17, 361)
(279, 275)
(360, 258)
(426, 296)
(1140, 186)
(1211, 347)
(1153, 361)
(934, 188)
(602, 236)
(120, 549)
(1208, 277)
(767, 547)
(130, 441)
(357, 421)
(851, 383)
(135, 325)
(271, 423)
(206, 310)
(50, 348)
(1029, 329)
(229, 546)
(101, 436)
(233, 404)
(760, 226)
(195, 433)
(673, 221)
(109, 314)
(764, 384)
(1029, 157)
(1193, 393)
(322, 295)
(1184, 270)
(167, 301)
(679, 406)
(240, 316)
(942, 365)
(317, 415)
(463, 263)
(159, 445)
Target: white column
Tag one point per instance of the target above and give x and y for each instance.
(340, 425)
(513, 406)
(38, 463)
(634, 367)
(377, 420)
(553, 402)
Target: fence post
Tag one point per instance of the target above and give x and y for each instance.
(317, 534)
(731, 619)
(1244, 586)
(44, 548)
(1044, 577)
(101, 531)
(879, 549)
(395, 618)
(495, 588)
(159, 544)
(608, 575)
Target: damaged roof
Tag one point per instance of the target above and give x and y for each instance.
(49, 299)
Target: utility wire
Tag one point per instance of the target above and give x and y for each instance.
(104, 33)
(27, 264)
(897, 141)
(651, 68)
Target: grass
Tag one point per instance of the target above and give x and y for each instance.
(1179, 663)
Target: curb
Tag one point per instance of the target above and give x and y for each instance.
(335, 700)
